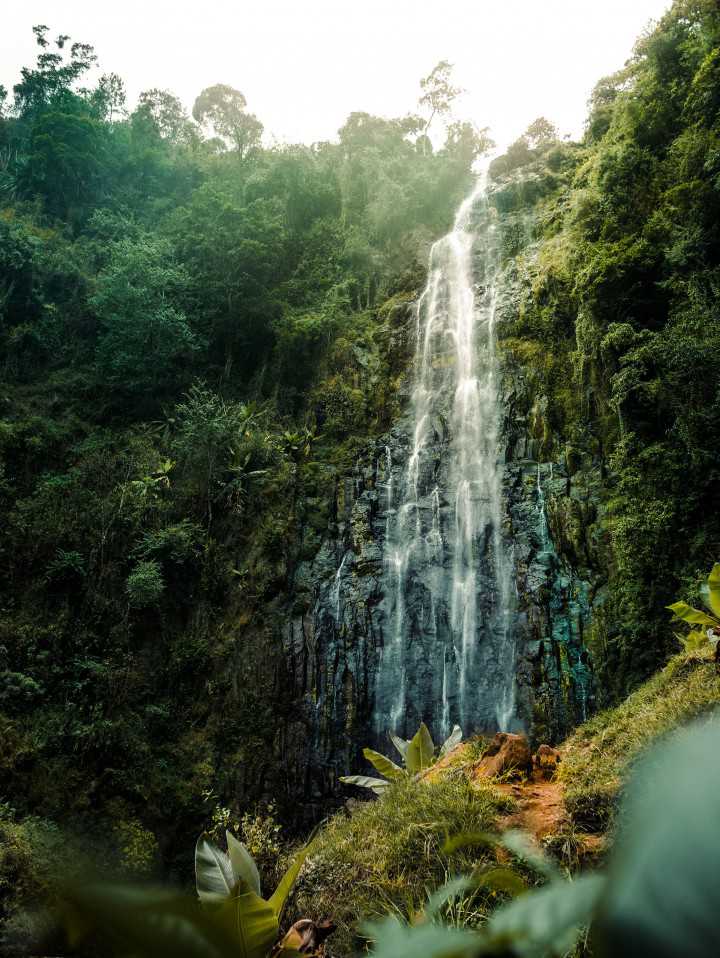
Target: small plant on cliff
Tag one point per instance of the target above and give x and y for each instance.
(417, 754)
(708, 626)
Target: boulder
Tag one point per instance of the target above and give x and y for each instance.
(507, 754)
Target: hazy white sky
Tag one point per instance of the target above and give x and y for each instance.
(305, 64)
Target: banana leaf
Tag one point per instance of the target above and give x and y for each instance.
(453, 739)
(394, 939)
(243, 864)
(280, 895)
(400, 744)
(663, 896)
(548, 920)
(214, 874)
(250, 921)
(421, 751)
(384, 765)
(685, 612)
(146, 922)
(711, 591)
(377, 785)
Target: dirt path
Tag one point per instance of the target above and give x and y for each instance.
(541, 812)
(541, 808)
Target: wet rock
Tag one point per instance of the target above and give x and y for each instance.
(342, 614)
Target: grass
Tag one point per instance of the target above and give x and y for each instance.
(386, 858)
(598, 756)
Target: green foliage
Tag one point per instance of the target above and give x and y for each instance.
(623, 283)
(418, 754)
(145, 585)
(224, 109)
(144, 922)
(230, 885)
(138, 258)
(144, 338)
(137, 845)
(438, 92)
(620, 906)
(709, 631)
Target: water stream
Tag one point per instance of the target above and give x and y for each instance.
(448, 653)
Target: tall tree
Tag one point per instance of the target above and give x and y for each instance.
(540, 131)
(109, 97)
(438, 92)
(167, 115)
(223, 108)
(54, 73)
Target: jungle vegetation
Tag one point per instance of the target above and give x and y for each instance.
(197, 335)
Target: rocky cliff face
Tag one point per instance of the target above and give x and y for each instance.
(550, 506)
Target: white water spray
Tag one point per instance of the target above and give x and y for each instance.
(455, 662)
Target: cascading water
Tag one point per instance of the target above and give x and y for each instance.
(448, 653)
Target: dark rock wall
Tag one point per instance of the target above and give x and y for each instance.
(552, 503)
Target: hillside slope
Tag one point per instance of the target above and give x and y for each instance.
(385, 856)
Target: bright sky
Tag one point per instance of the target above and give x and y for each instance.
(304, 65)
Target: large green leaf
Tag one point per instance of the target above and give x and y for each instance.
(453, 739)
(663, 895)
(421, 751)
(243, 864)
(252, 922)
(685, 612)
(143, 921)
(377, 785)
(518, 842)
(280, 895)
(524, 847)
(400, 744)
(500, 878)
(214, 875)
(711, 592)
(694, 640)
(393, 939)
(384, 765)
(548, 920)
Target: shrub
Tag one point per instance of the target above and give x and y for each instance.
(145, 585)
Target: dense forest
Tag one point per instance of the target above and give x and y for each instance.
(200, 334)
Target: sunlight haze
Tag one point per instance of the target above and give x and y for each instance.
(305, 66)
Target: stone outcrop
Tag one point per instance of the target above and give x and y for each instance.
(506, 755)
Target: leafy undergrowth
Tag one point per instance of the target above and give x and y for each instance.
(598, 756)
(386, 858)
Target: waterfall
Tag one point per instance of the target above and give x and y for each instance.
(542, 514)
(336, 589)
(448, 652)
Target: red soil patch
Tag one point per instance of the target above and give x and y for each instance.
(541, 808)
